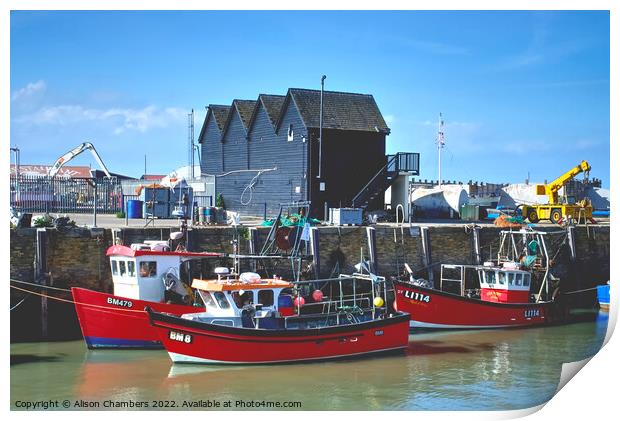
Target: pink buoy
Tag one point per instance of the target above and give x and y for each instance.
(317, 295)
(299, 301)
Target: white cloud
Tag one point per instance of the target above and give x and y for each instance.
(120, 119)
(29, 90)
(389, 118)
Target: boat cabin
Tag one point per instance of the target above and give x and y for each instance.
(506, 284)
(244, 301)
(139, 271)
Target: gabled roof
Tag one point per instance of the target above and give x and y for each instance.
(244, 108)
(272, 104)
(219, 113)
(341, 110)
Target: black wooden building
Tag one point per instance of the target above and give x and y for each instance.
(266, 151)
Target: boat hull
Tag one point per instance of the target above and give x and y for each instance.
(110, 321)
(432, 309)
(602, 293)
(193, 342)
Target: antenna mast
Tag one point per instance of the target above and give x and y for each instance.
(190, 139)
(440, 145)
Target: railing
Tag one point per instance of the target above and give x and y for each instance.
(203, 200)
(402, 161)
(65, 195)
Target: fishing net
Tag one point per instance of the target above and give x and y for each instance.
(292, 220)
(505, 221)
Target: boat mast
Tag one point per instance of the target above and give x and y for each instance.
(440, 144)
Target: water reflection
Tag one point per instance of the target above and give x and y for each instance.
(502, 369)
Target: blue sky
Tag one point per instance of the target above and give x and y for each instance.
(519, 91)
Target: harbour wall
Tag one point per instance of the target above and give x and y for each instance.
(76, 258)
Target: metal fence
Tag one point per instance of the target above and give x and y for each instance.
(65, 195)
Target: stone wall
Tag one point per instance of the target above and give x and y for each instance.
(77, 258)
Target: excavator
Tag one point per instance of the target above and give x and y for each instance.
(559, 208)
(72, 154)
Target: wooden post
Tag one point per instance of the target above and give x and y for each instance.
(40, 273)
(371, 237)
(426, 250)
(476, 245)
(316, 256)
(253, 242)
(571, 243)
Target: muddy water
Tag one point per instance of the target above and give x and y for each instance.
(500, 369)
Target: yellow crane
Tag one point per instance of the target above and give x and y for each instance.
(556, 209)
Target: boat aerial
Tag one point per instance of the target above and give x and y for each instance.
(516, 290)
(249, 320)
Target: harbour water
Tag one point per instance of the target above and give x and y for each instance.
(472, 370)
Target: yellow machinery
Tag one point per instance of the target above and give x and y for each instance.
(556, 210)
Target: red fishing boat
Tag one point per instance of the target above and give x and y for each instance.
(145, 274)
(513, 291)
(259, 322)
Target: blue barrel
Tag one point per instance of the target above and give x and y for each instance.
(209, 215)
(134, 208)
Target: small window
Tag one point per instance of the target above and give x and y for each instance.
(511, 277)
(131, 268)
(526, 279)
(501, 278)
(114, 267)
(290, 133)
(208, 299)
(265, 297)
(511, 281)
(221, 300)
(490, 278)
(242, 299)
(148, 269)
(122, 268)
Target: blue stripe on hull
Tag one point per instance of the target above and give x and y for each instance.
(95, 342)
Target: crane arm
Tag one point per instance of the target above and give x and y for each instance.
(60, 162)
(551, 189)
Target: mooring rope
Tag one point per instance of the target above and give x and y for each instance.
(40, 286)
(20, 303)
(102, 309)
(579, 290)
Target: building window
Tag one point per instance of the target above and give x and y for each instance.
(290, 132)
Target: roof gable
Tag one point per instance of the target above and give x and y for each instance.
(219, 114)
(244, 108)
(272, 105)
(341, 110)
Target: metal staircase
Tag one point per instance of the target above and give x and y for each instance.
(397, 164)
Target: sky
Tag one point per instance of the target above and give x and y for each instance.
(520, 92)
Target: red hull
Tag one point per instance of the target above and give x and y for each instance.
(195, 342)
(441, 310)
(110, 321)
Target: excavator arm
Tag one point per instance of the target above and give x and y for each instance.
(551, 189)
(60, 162)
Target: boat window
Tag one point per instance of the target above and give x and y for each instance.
(131, 268)
(243, 299)
(490, 277)
(518, 278)
(511, 277)
(265, 297)
(207, 298)
(121, 268)
(148, 269)
(526, 279)
(114, 267)
(511, 281)
(221, 300)
(501, 278)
